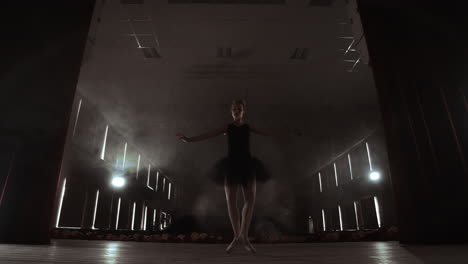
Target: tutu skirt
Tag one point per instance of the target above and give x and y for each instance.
(239, 171)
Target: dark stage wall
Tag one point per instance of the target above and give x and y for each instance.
(419, 59)
(41, 58)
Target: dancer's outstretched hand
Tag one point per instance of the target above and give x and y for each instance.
(182, 137)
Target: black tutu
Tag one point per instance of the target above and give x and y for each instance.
(239, 171)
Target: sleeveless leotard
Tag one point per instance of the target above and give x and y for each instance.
(239, 167)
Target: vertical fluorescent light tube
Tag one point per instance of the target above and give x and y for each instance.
(336, 174)
(76, 119)
(341, 218)
(311, 225)
(142, 220)
(61, 202)
(157, 180)
(154, 218)
(148, 178)
(369, 156)
(133, 216)
(164, 220)
(103, 152)
(350, 168)
(164, 183)
(138, 165)
(169, 192)
(323, 220)
(356, 214)
(125, 156)
(162, 216)
(118, 214)
(320, 181)
(377, 211)
(146, 216)
(95, 209)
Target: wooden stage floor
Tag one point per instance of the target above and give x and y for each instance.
(79, 251)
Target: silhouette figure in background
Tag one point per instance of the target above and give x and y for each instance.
(238, 169)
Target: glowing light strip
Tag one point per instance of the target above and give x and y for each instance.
(350, 168)
(61, 202)
(311, 225)
(144, 220)
(104, 143)
(369, 156)
(77, 115)
(148, 180)
(133, 216)
(125, 156)
(356, 214)
(118, 214)
(142, 216)
(135, 34)
(320, 181)
(169, 192)
(336, 174)
(163, 224)
(95, 209)
(377, 211)
(157, 180)
(323, 220)
(154, 218)
(341, 218)
(164, 183)
(138, 165)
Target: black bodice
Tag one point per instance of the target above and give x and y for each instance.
(238, 141)
(239, 167)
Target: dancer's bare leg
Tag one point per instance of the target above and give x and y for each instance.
(249, 192)
(233, 210)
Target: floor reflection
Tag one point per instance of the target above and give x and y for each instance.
(382, 253)
(112, 252)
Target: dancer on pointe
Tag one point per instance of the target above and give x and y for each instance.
(238, 169)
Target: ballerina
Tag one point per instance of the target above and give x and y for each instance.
(238, 169)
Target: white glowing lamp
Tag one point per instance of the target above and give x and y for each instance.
(118, 181)
(374, 176)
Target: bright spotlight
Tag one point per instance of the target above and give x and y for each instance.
(118, 181)
(375, 176)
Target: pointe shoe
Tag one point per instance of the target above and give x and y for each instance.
(230, 246)
(247, 245)
(251, 248)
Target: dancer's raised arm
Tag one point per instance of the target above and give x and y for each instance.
(203, 136)
(273, 134)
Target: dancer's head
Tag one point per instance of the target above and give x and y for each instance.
(238, 109)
